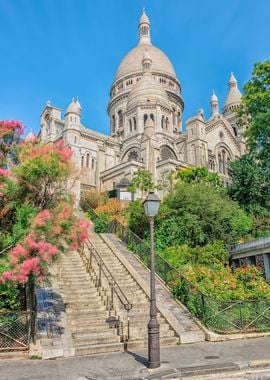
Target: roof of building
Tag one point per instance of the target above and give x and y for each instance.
(131, 63)
(74, 107)
(148, 90)
(234, 95)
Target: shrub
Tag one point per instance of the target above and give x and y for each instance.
(93, 198)
(114, 209)
(101, 223)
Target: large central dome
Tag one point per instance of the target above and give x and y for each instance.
(132, 62)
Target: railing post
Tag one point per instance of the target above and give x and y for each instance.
(241, 315)
(99, 273)
(112, 290)
(90, 257)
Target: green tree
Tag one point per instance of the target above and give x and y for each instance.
(142, 181)
(198, 214)
(197, 174)
(256, 108)
(251, 173)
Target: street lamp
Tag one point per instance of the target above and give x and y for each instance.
(151, 206)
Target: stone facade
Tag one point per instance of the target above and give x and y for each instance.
(145, 111)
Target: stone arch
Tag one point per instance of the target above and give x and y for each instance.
(223, 157)
(131, 152)
(167, 152)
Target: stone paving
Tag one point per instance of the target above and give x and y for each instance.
(241, 359)
(189, 330)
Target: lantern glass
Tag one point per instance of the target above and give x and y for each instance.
(151, 205)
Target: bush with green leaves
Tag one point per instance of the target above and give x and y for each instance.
(101, 222)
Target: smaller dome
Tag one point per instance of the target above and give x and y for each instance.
(147, 91)
(234, 95)
(74, 107)
(214, 98)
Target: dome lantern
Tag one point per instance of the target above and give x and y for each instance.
(144, 30)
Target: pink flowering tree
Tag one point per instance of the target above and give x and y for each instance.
(37, 219)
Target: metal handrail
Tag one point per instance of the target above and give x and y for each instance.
(107, 273)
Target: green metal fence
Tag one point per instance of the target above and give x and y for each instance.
(220, 317)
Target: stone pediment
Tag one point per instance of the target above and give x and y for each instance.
(224, 125)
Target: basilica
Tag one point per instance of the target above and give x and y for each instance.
(146, 132)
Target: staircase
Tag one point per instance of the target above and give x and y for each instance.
(137, 318)
(87, 316)
(98, 288)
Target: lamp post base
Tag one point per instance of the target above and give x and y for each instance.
(153, 344)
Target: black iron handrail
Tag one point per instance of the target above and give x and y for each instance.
(107, 273)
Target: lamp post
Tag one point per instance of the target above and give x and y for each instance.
(151, 207)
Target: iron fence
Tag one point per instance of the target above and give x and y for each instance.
(16, 330)
(220, 317)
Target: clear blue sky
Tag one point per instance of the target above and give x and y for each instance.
(57, 49)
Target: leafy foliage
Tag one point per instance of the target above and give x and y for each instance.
(37, 217)
(93, 198)
(137, 221)
(142, 181)
(101, 223)
(251, 173)
(209, 255)
(199, 175)
(198, 214)
(222, 284)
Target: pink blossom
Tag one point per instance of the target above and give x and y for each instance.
(4, 172)
(42, 218)
(6, 276)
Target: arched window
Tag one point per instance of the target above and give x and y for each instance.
(220, 163)
(167, 123)
(179, 119)
(113, 123)
(193, 154)
(87, 160)
(166, 152)
(174, 117)
(152, 117)
(93, 164)
(120, 119)
(162, 122)
(223, 160)
(75, 140)
(130, 125)
(133, 155)
(82, 160)
(144, 118)
(203, 155)
(134, 123)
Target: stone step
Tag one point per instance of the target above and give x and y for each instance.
(99, 348)
(101, 339)
(96, 328)
(88, 321)
(143, 343)
(101, 310)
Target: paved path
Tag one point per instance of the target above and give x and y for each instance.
(213, 360)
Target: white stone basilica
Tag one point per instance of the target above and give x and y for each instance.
(145, 111)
